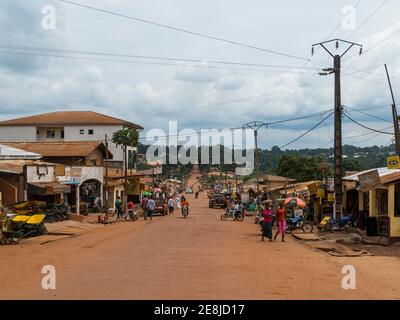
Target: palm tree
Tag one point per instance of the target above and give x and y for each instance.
(125, 138)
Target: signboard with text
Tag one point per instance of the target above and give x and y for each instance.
(393, 162)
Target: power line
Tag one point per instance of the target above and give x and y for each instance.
(112, 54)
(365, 127)
(308, 131)
(368, 114)
(241, 127)
(198, 34)
(144, 62)
(368, 18)
(340, 23)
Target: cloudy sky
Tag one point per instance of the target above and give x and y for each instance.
(265, 86)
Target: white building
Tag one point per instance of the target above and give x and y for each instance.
(66, 126)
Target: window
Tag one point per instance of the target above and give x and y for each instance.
(382, 202)
(50, 134)
(82, 131)
(90, 131)
(62, 134)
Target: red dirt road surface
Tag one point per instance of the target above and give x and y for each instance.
(200, 257)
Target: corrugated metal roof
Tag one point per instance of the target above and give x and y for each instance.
(71, 118)
(10, 153)
(59, 149)
(381, 171)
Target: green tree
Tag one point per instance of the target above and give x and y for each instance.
(125, 138)
(298, 167)
(352, 165)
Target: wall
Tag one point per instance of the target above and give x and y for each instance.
(394, 221)
(8, 191)
(18, 134)
(72, 133)
(94, 158)
(33, 177)
(42, 136)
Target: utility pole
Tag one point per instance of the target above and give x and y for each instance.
(125, 179)
(338, 203)
(234, 168)
(255, 126)
(394, 113)
(106, 182)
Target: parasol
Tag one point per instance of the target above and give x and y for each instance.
(295, 202)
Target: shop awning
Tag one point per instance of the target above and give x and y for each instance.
(48, 188)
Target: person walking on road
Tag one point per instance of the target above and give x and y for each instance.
(281, 218)
(267, 223)
(118, 208)
(151, 205)
(171, 204)
(144, 207)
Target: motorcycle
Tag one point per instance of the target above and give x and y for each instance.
(185, 211)
(297, 222)
(132, 215)
(345, 224)
(231, 213)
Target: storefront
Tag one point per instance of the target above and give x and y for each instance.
(49, 192)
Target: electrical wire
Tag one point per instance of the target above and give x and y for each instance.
(368, 114)
(120, 55)
(146, 62)
(266, 124)
(365, 127)
(368, 18)
(307, 132)
(198, 34)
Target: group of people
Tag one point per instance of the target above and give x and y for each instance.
(268, 220)
(119, 208)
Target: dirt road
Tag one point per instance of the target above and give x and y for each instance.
(196, 258)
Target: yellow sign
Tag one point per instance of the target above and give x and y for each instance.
(330, 197)
(321, 193)
(393, 162)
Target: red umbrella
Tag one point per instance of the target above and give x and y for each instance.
(295, 202)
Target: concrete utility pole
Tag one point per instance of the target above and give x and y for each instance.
(255, 126)
(106, 182)
(234, 168)
(394, 113)
(338, 204)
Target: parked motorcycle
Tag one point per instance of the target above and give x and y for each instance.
(297, 222)
(231, 213)
(345, 224)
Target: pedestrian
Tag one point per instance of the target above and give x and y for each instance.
(178, 201)
(151, 205)
(144, 207)
(171, 205)
(281, 218)
(118, 208)
(267, 223)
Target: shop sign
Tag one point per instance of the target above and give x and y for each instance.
(330, 197)
(321, 192)
(69, 180)
(393, 162)
(369, 180)
(331, 184)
